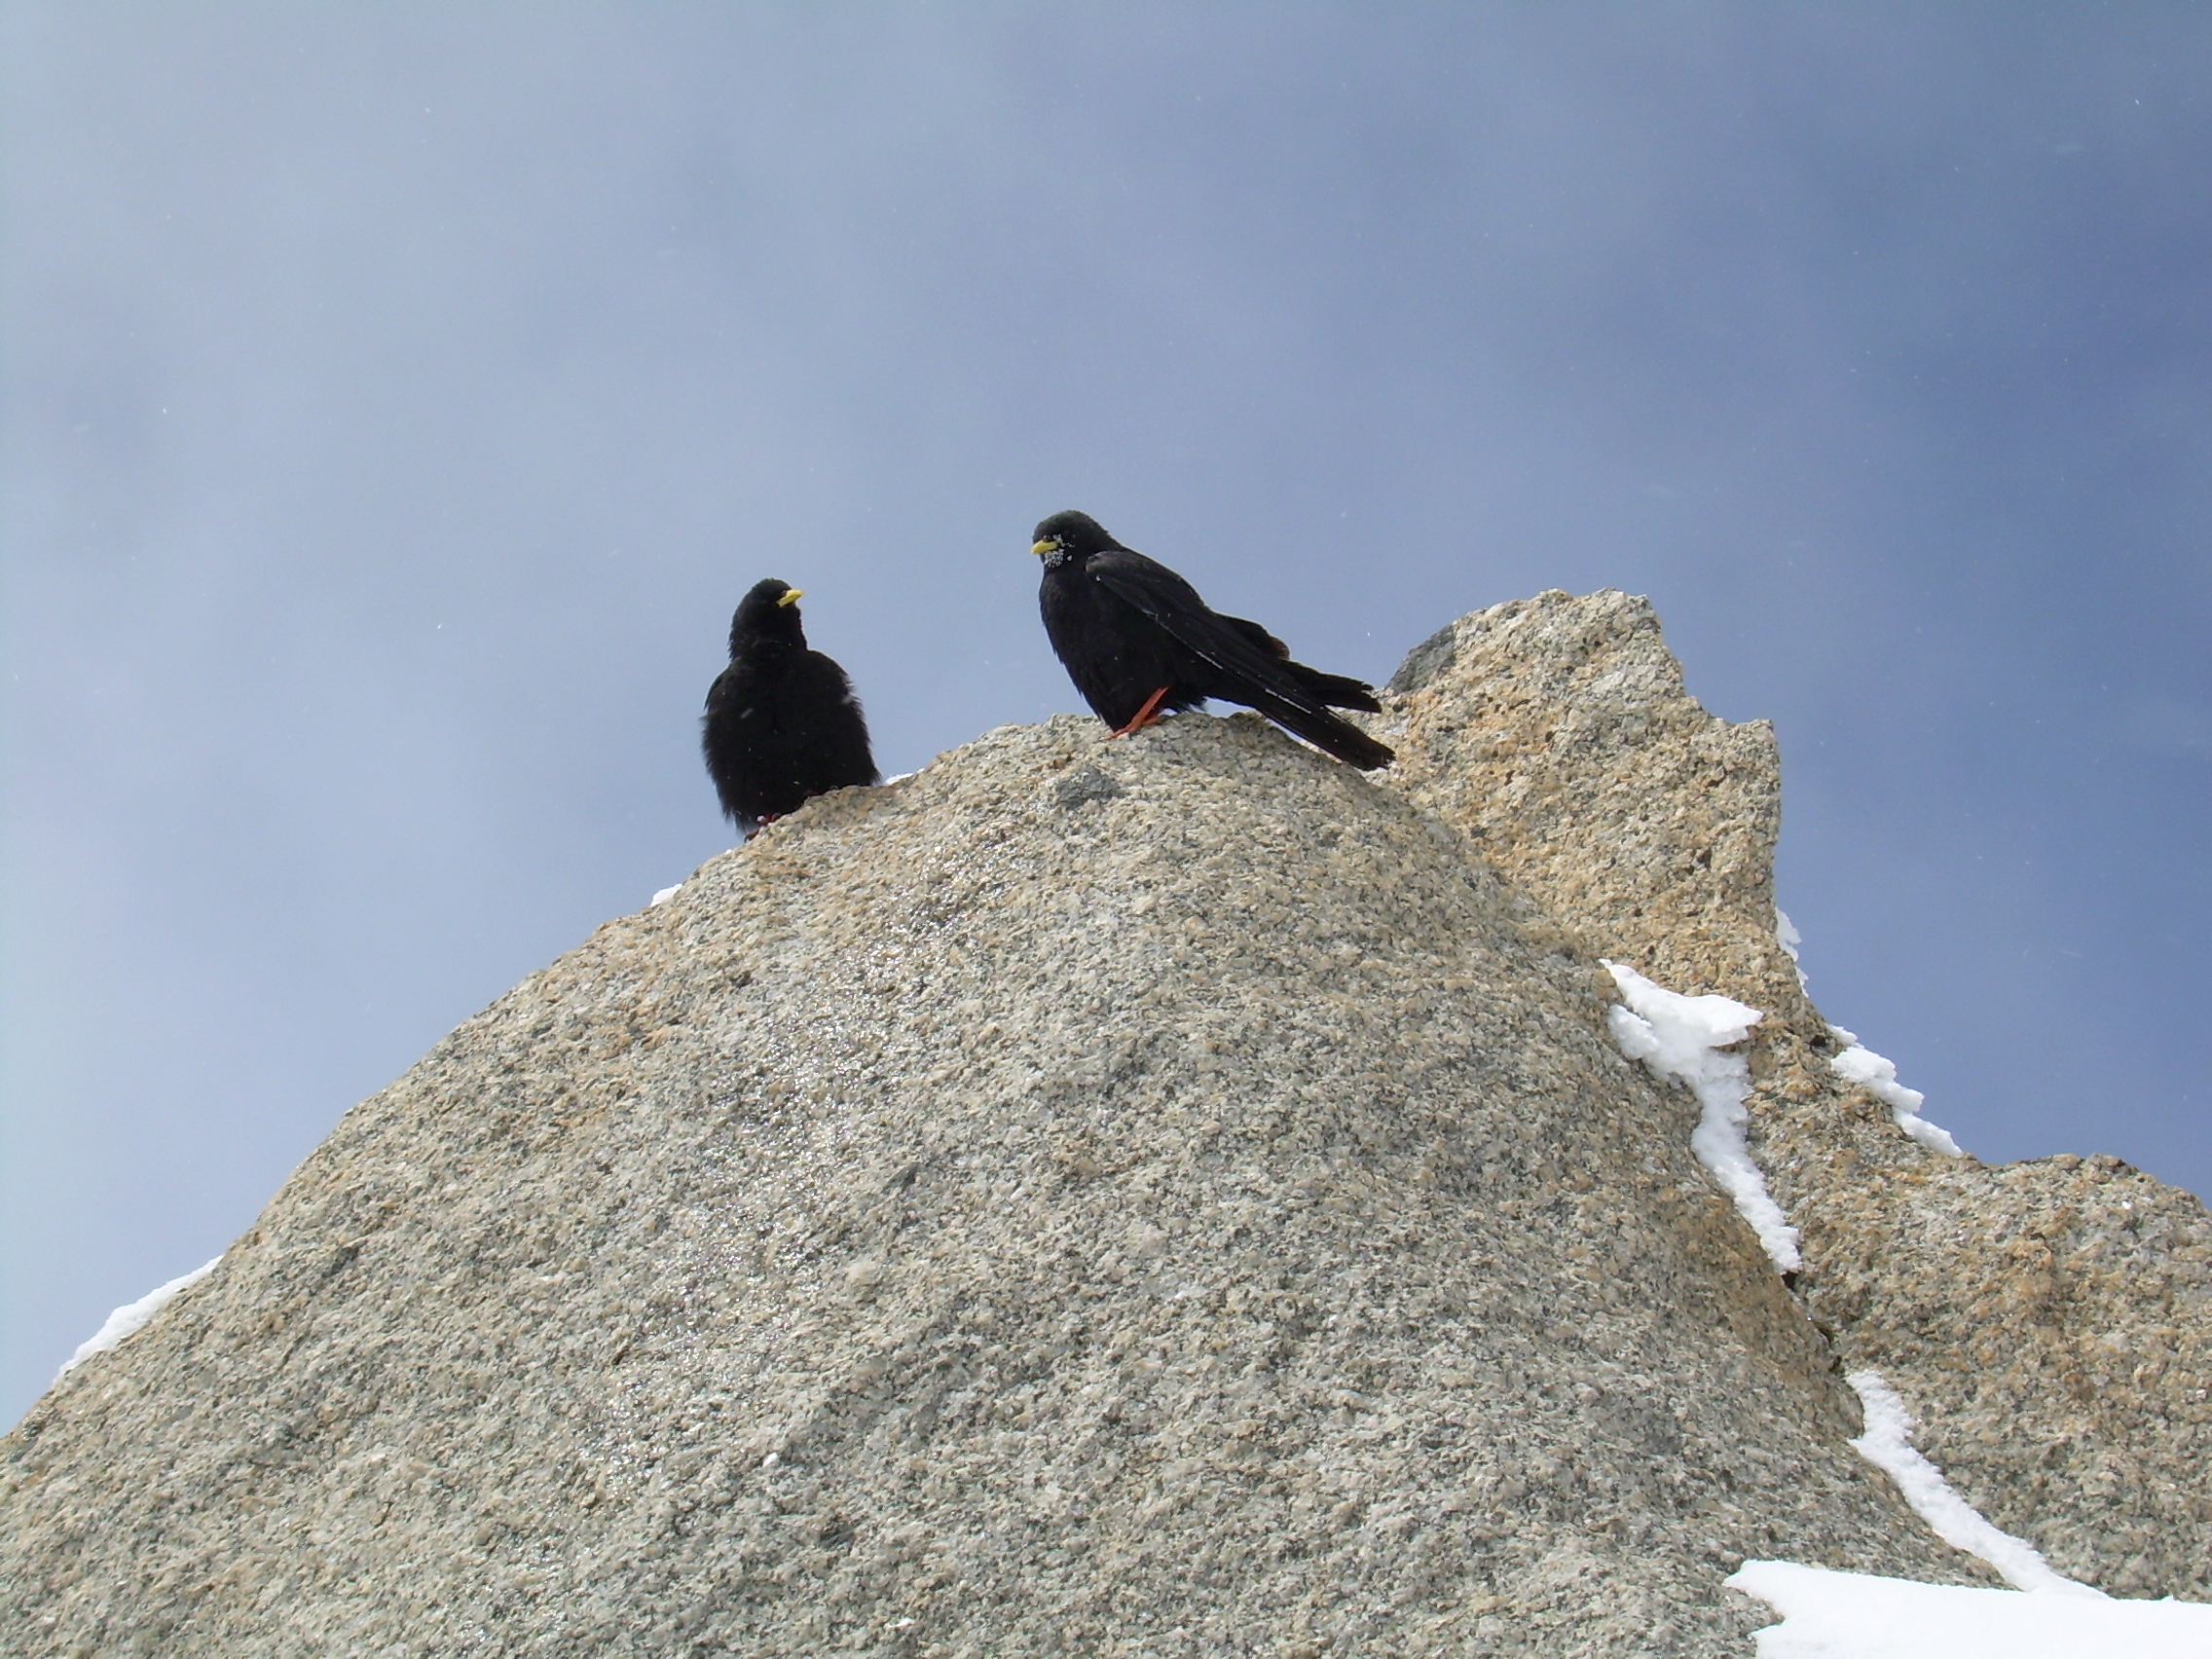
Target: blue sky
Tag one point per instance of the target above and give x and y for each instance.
(398, 400)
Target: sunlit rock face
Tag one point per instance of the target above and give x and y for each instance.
(1175, 1195)
(2050, 1322)
(1556, 733)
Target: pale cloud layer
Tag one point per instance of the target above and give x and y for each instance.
(398, 400)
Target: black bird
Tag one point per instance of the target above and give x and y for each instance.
(782, 723)
(1137, 639)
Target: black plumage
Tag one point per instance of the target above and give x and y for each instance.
(1137, 641)
(782, 723)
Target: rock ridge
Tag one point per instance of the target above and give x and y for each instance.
(2051, 1322)
(1173, 1195)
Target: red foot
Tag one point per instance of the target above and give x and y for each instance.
(1146, 715)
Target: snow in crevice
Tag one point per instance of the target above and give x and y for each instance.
(1887, 1444)
(1787, 936)
(1856, 1615)
(130, 1319)
(1685, 1038)
(1879, 1078)
(1827, 1614)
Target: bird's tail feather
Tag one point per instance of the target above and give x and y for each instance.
(1337, 690)
(1329, 734)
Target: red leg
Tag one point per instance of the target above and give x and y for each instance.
(1147, 715)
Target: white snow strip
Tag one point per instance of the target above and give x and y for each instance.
(1856, 1615)
(1879, 1078)
(128, 1320)
(1888, 1445)
(1683, 1038)
(665, 895)
(1787, 936)
(1867, 1069)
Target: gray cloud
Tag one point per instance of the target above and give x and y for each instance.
(398, 399)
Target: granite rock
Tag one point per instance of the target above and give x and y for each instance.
(2049, 1323)
(1162, 1196)
(1171, 1195)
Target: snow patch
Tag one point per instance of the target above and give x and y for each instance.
(1887, 1444)
(1682, 1038)
(1856, 1615)
(665, 895)
(1879, 1078)
(130, 1319)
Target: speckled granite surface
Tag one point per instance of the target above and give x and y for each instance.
(1163, 1196)
(2049, 1323)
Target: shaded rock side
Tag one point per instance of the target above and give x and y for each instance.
(1160, 1196)
(2050, 1322)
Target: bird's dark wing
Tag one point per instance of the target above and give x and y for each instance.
(1260, 636)
(1251, 665)
(823, 717)
(1337, 690)
(1239, 651)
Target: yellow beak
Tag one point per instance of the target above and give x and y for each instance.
(792, 596)
(1040, 548)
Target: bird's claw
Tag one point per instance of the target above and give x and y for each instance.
(1149, 715)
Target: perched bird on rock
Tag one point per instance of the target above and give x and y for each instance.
(782, 723)
(1137, 641)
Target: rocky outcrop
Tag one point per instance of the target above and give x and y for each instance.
(1555, 733)
(1173, 1195)
(2050, 1322)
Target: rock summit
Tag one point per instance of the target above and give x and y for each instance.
(1176, 1195)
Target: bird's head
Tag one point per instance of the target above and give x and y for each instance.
(769, 611)
(1069, 535)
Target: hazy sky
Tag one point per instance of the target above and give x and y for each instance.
(398, 400)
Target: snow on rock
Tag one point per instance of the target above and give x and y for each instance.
(665, 895)
(1887, 1444)
(1787, 936)
(1683, 1038)
(130, 1319)
(1856, 1615)
(995, 1153)
(1879, 1078)
(1873, 1073)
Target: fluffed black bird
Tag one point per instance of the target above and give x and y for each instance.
(782, 723)
(1137, 639)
